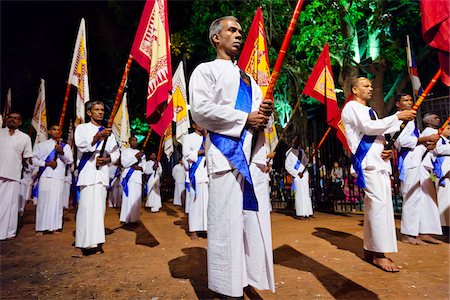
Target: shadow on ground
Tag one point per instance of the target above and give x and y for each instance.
(336, 284)
(143, 235)
(342, 240)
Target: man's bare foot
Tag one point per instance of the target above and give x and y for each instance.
(412, 240)
(39, 233)
(429, 239)
(384, 263)
(368, 255)
(193, 235)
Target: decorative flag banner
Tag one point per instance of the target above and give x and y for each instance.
(168, 142)
(436, 32)
(39, 121)
(320, 86)
(179, 100)
(121, 125)
(78, 75)
(70, 140)
(412, 70)
(7, 107)
(254, 60)
(152, 52)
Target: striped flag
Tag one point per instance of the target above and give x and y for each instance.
(121, 124)
(412, 70)
(179, 100)
(152, 52)
(39, 121)
(254, 60)
(78, 75)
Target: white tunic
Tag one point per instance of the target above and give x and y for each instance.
(179, 175)
(213, 91)
(303, 203)
(115, 191)
(153, 186)
(90, 229)
(51, 186)
(198, 199)
(13, 149)
(131, 204)
(379, 224)
(443, 150)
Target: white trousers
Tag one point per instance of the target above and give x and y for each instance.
(9, 207)
(227, 273)
(131, 204)
(90, 223)
(49, 211)
(178, 194)
(258, 235)
(198, 207)
(379, 223)
(430, 219)
(444, 202)
(154, 198)
(66, 195)
(24, 195)
(115, 193)
(303, 203)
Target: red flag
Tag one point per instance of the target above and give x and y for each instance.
(320, 85)
(151, 51)
(436, 30)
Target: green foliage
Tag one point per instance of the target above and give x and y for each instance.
(139, 129)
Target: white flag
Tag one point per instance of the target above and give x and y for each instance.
(121, 124)
(39, 121)
(7, 107)
(179, 100)
(168, 142)
(78, 75)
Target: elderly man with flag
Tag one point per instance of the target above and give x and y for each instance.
(93, 178)
(228, 103)
(51, 156)
(365, 136)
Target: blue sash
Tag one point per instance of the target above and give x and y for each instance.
(232, 148)
(437, 167)
(116, 174)
(50, 157)
(402, 155)
(194, 167)
(299, 162)
(126, 179)
(361, 152)
(83, 160)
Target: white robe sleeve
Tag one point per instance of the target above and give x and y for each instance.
(289, 164)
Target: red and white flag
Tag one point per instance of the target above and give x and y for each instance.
(78, 75)
(152, 52)
(39, 121)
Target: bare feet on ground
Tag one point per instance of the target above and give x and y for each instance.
(412, 240)
(193, 235)
(429, 239)
(381, 261)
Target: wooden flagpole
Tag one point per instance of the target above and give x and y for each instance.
(64, 107)
(158, 158)
(443, 126)
(287, 125)
(416, 106)
(118, 97)
(147, 138)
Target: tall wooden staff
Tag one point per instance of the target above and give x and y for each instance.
(147, 138)
(443, 126)
(64, 108)
(118, 97)
(287, 125)
(158, 158)
(419, 101)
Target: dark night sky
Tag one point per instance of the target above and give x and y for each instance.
(37, 41)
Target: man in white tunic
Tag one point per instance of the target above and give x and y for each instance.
(93, 178)
(194, 154)
(371, 164)
(441, 169)
(429, 207)
(134, 163)
(179, 176)
(227, 102)
(51, 157)
(154, 170)
(296, 164)
(15, 148)
(414, 225)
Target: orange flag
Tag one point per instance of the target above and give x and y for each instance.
(320, 85)
(254, 59)
(152, 52)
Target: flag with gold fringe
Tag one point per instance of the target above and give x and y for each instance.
(152, 52)
(254, 60)
(320, 86)
(179, 100)
(78, 75)
(39, 121)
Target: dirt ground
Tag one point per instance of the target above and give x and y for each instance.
(314, 259)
